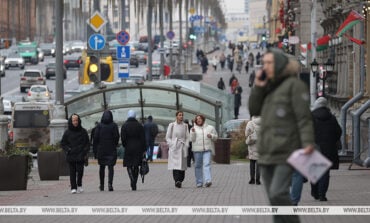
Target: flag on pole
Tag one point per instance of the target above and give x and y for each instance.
(352, 19)
(323, 43)
(303, 59)
(357, 41)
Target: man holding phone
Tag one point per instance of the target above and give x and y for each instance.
(282, 101)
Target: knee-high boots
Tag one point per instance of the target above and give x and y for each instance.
(133, 173)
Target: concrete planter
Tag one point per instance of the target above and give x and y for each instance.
(14, 172)
(48, 165)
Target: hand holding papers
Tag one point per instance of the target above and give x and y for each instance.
(312, 166)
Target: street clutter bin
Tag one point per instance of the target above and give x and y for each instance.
(222, 150)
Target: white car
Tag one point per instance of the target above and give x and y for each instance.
(39, 93)
(14, 60)
(7, 106)
(40, 54)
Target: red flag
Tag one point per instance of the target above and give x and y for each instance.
(323, 43)
(352, 19)
(357, 41)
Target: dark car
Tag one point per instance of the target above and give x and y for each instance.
(134, 60)
(72, 62)
(47, 48)
(50, 71)
(141, 56)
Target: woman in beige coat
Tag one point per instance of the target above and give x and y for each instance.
(177, 138)
(251, 132)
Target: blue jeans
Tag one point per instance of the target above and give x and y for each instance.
(296, 187)
(202, 167)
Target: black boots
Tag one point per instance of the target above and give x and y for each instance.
(133, 173)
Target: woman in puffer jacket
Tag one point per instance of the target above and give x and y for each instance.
(251, 134)
(203, 137)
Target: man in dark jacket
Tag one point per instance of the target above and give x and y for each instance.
(282, 101)
(75, 143)
(151, 131)
(106, 138)
(327, 135)
(133, 140)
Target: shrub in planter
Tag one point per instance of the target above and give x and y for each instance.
(238, 146)
(48, 162)
(15, 166)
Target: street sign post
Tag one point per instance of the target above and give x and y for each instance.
(123, 69)
(96, 21)
(96, 42)
(123, 52)
(170, 35)
(123, 37)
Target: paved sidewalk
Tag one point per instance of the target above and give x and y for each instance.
(230, 188)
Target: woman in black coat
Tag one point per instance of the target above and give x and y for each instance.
(327, 134)
(75, 143)
(133, 140)
(106, 138)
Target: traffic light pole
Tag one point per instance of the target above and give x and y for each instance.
(59, 83)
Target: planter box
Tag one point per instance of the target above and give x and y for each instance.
(13, 173)
(63, 165)
(48, 165)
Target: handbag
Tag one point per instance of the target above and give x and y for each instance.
(144, 169)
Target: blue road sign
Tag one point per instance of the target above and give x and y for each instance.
(123, 52)
(123, 69)
(123, 37)
(96, 42)
(170, 35)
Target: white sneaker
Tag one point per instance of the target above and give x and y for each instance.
(73, 191)
(80, 190)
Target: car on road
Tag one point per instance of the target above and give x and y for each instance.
(141, 55)
(39, 93)
(14, 60)
(72, 62)
(31, 77)
(47, 48)
(7, 106)
(50, 70)
(156, 70)
(2, 68)
(134, 61)
(136, 78)
(78, 46)
(40, 54)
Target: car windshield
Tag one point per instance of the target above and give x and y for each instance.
(38, 89)
(32, 74)
(51, 65)
(14, 55)
(46, 46)
(26, 49)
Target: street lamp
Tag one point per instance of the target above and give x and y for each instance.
(328, 67)
(315, 69)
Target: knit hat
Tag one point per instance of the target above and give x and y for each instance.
(280, 60)
(131, 114)
(319, 103)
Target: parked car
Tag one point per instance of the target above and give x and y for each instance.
(78, 46)
(39, 93)
(50, 70)
(233, 126)
(2, 68)
(72, 62)
(31, 77)
(14, 60)
(134, 61)
(142, 56)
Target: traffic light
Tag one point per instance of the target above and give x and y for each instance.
(96, 67)
(93, 69)
(263, 37)
(192, 35)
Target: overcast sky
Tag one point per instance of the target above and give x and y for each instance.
(234, 5)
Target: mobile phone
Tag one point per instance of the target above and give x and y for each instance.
(263, 76)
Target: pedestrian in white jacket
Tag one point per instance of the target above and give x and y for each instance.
(251, 132)
(177, 138)
(203, 137)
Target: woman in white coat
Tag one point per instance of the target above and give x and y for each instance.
(251, 132)
(177, 138)
(203, 137)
